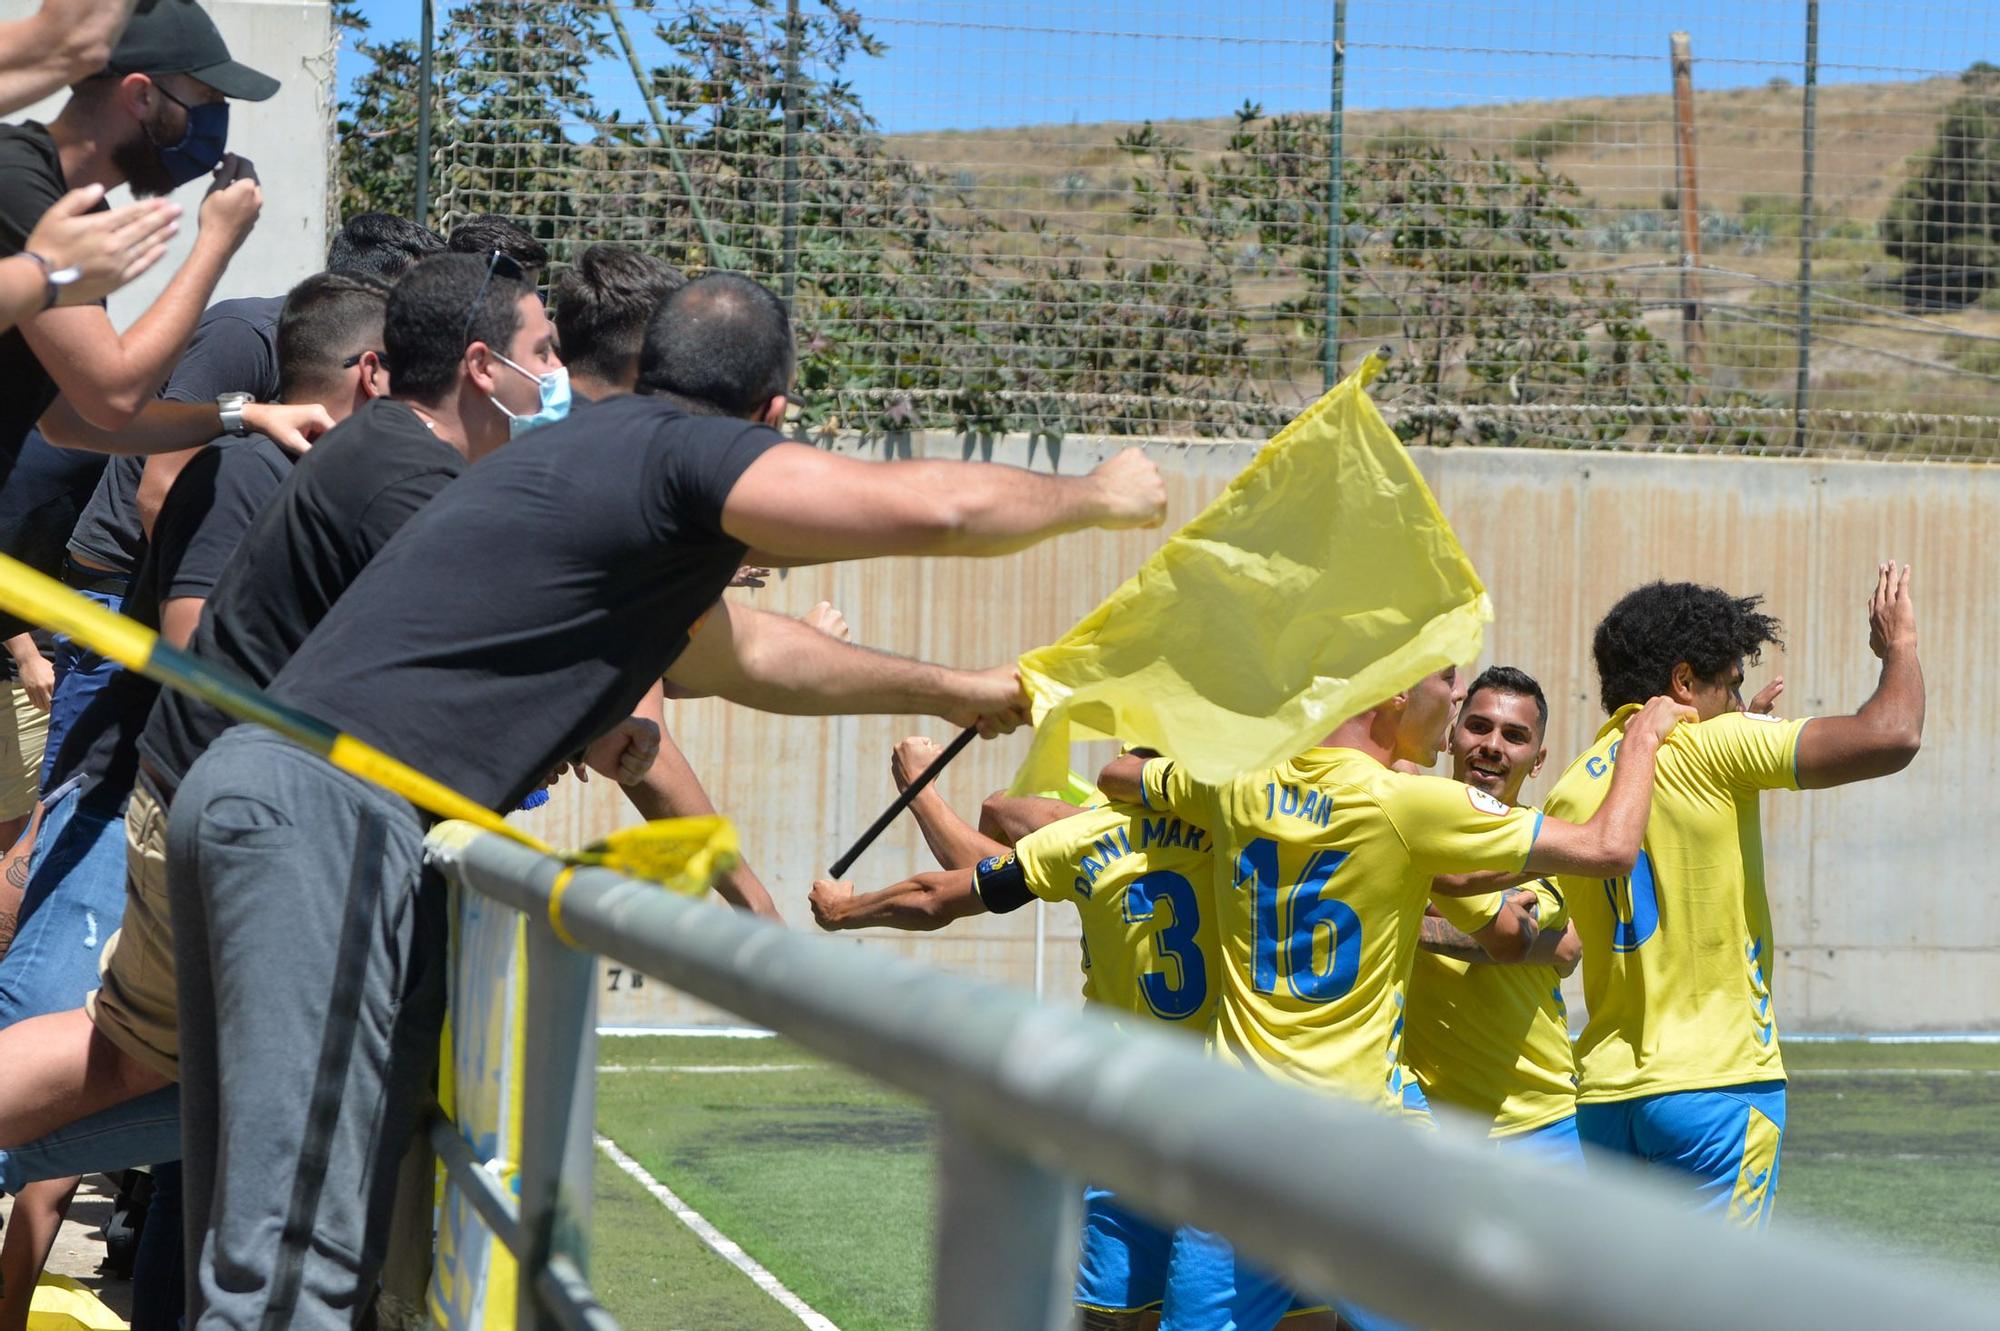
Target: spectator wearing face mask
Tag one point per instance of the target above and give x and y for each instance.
(157, 117)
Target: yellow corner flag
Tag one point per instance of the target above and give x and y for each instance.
(1323, 580)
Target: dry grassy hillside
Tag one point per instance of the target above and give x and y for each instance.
(1619, 150)
(1868, 355)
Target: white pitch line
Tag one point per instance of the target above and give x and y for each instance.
(1892, 1072)
(704, 1067)
(1926, 1037)
(721, 1244)
(689, 1032)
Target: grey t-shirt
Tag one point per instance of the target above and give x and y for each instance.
(234, 350)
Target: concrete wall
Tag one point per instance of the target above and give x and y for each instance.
(1885, 914)
(289, 139)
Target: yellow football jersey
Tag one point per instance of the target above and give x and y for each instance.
(1495, 1039)
(1140, 884)
(1677, 958)
(1323, 866)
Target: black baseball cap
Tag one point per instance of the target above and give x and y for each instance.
(176, 37)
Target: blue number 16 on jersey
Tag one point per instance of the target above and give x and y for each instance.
(1286, 919)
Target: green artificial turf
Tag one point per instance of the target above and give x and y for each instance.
(827, 1179)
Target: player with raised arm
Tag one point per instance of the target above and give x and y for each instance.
(1139, 881)
(1679, 1061)
(1324, 864)
(1490, 1038)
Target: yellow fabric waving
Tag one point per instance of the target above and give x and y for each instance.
(1323, 580)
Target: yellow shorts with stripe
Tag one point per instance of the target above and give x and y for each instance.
(24, 730)
(1725, 1141)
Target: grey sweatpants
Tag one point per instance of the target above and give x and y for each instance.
(310, 948)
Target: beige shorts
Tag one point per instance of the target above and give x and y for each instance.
(24, 729)
(136, 1005)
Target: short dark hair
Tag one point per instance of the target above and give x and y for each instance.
(1507, 679)
(426, 331)
(327, 318)
(381, 245)
(484, 233)
(1654, 628)
(603, 304)
(722, 340)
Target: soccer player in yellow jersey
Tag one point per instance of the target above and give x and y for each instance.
(1138, 881)
(1323, 867)
(1679, 1059)
(1488, 1038)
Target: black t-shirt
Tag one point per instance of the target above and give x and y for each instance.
(31, 179)
(234, 350)
(342, 502)
(41, 487)
(530, 607)
(216, 498)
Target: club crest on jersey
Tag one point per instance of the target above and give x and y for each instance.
(1484, 802)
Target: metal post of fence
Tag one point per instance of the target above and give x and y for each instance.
(1681, 54)
(1335, 202)
(998, 1211)
(718, 255)
(425, 91)
(1802, 389)
(557, 1111)
(794, 121)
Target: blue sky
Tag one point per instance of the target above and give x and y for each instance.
(977, 64)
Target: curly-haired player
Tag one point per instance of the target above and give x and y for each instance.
(1679, 1062)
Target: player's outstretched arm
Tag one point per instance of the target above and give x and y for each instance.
(1608, 845)
(1124, 779)
(776, 664)
(801, 505)
(1884, 734)
(1007, 818)
(670, 789)
(927, 901)
(956, 843)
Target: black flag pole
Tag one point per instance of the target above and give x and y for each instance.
(915, 788)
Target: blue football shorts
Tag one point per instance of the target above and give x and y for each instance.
(1726, 1141)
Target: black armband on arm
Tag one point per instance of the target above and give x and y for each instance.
(1001, 884)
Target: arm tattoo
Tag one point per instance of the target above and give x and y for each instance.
(1441, 936)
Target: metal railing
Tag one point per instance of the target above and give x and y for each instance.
(1435, 1228)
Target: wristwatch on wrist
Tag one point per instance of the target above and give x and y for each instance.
(230, 406)
(55, 278)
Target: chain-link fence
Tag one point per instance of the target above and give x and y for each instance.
(1778, 231)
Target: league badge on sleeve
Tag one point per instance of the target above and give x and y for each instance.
(1484, 802)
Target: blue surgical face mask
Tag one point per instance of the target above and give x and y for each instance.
(555, 398)
(201, 147)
